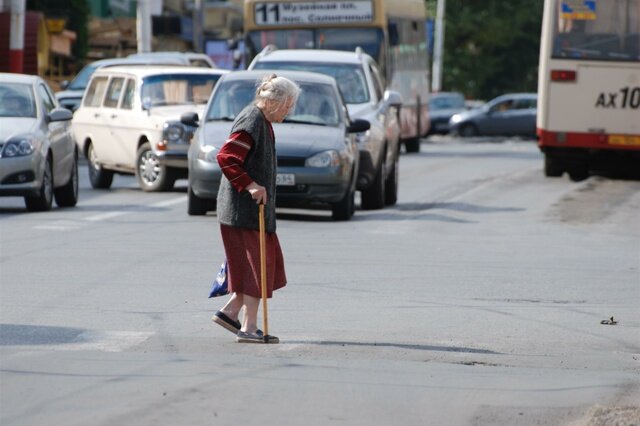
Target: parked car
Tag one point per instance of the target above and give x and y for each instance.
(194, 59)
(363, 91)
(442, 106)
(317, 154)
(38, 156)
(121, 126)
(72, 92)
(511, 114)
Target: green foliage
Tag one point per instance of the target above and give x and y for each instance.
(76, 12)
(491, 46)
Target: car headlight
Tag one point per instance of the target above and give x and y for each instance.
(324, 159)
(455, 118)
(173, 133)
(208, 153)
(18, 148)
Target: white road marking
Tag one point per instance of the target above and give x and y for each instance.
(109, 215)
(69, 225)
(59, 225)
(105, 341)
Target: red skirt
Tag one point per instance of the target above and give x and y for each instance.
(242, 248)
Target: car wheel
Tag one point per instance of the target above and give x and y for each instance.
(578, 172)
(412, 145)
(67, 195)
(374, 196)
(391, 190)
(152, 175)
(99, 177)
(44, 199)
(552, 166)
(468, 130)
(344, 209)
(196, 206)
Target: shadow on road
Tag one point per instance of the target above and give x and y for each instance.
(456, 206)
(20, 334)
(396, 345)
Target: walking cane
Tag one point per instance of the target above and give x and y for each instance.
(263, 276)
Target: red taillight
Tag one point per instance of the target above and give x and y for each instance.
(563, 75)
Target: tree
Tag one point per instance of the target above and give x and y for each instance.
(76, 12)
(491, 47)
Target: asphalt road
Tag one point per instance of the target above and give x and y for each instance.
(476, 300)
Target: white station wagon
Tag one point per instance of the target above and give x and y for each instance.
(121, 125)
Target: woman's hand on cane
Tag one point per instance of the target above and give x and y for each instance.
(258, 193)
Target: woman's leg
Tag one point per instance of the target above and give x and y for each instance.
(250, 320)
(233, 306)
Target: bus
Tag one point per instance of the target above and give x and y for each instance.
(589, 87)
(393, 32)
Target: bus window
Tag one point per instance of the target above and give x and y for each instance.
(283, 39)
(601, 37)
(369, 39)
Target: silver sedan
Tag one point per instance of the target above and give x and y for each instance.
(38, 156)
(316, 149)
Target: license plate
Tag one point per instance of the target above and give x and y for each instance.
(285, 179)
(624, 140)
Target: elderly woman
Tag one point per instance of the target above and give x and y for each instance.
(248, 163)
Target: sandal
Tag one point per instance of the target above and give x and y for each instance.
(222, 319)
(257, 337)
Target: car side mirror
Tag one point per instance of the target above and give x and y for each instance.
(64, 84)
(393, 98)
(146, 103)
(190, 119)
(60, 114)
(358, 125)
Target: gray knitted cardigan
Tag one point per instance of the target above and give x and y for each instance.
(238, 208)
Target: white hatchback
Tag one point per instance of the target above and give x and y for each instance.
(121, 125)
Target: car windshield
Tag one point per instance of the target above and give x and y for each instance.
(177, 89)
(350, 77)
(317, 103)
(510, 104)
(16, 100)
(81, 80)
(438, 102)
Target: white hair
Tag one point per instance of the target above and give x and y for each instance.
(277, 89)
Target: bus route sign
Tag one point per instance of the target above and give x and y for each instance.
(579, 10)
(314, 12)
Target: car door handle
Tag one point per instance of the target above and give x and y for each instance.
(114, 115)
(96, 115)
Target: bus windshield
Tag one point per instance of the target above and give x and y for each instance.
(369, 39)
(609, 31)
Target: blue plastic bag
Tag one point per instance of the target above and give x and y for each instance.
(219, 286)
